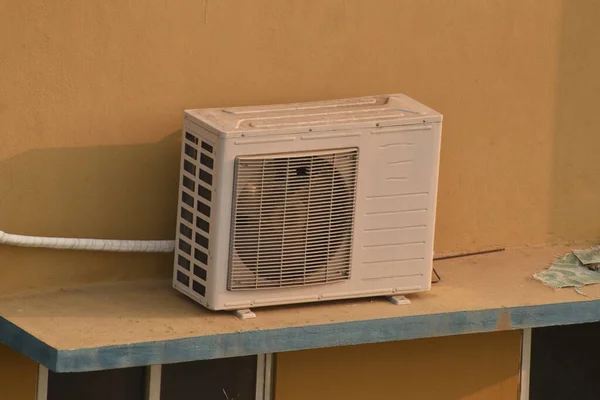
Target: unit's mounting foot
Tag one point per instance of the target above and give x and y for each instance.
(245, 314)
(398, 300)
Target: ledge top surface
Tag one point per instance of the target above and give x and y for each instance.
(147, 322)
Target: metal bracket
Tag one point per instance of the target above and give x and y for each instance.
(245, 314)
(398, 300)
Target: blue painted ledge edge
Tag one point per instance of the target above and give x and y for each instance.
(297, 338)
(25, 343)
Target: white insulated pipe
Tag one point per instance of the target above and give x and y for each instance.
(124, 246)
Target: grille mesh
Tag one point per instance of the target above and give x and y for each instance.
(195, 204)
(293, 220)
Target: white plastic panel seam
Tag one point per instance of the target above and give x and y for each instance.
(525, 364)
(42, 383)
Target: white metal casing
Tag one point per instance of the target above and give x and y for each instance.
(398, 141)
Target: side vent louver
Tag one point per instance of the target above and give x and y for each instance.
(293, 219)
(195, 208)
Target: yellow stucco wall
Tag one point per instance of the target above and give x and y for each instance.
(468, 367)
(18, 376)
(93, 92)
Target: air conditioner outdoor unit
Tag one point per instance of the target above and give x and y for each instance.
(307, 202)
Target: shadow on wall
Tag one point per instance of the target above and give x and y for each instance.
(575, 213)
(79, 192)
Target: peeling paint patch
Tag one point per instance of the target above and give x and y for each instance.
(504, 322)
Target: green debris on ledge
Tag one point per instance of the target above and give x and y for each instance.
(575, 269)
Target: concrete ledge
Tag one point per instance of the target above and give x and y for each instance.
(141, 323)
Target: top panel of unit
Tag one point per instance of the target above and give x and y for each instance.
(356, 113)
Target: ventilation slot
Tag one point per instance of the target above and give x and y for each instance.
(185, 247)
(207, 147)
(185, 231)
(187, 215)
(187, 199)
(183, 278)
(205, 177)
(199, 288)
(189, 167)
(201, 256)
(201, 240)
(190, 151)
(183, 262)
(188, 183)
(200, 272)
(293, 220)
(202, 224)
(191, 138)
(204, 193)
(206, 160)
(203, 208)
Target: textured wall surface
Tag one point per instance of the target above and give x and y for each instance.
(91, 100)
(18, 376)
(470, 367)
(92, 95)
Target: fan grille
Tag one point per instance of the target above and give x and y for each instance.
(293, 220)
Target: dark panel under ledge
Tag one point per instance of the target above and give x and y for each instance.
(141, 323)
